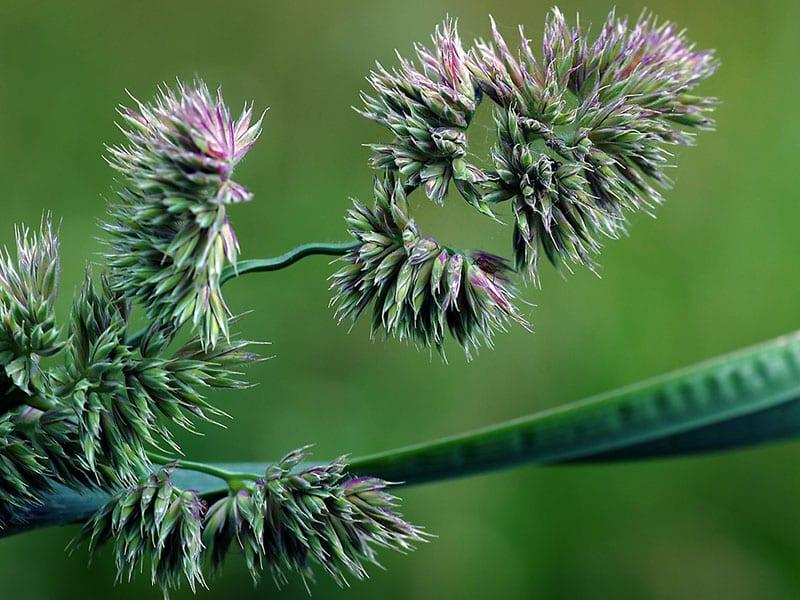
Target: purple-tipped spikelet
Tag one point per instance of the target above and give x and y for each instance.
(418, 288)
(583, 129)
(170, 236)
(291, 520)
(155, 524)
(428, 109)
(295, 518)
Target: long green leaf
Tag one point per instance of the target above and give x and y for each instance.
(745, 398)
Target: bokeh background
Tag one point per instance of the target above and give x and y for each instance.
(715, 271)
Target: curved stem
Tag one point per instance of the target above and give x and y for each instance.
(749, 397)
(260, 265)
(230, 477)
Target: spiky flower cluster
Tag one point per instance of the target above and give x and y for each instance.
(170, 236)
(123, 398)
(88, 419)
(28, 288)
(419, 289)
(153, 524)
(94, 414)
(582, 137)
(583, 131)
(288, 521)
(428, 110)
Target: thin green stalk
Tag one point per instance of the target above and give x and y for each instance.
(230, 477)
(263, 265)
(749, 397)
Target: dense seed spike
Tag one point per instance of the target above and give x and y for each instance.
(418, 288)
(295, 518)
(583, 131)
(169, 233)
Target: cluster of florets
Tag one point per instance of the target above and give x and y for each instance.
(428, 109)
(28, 288)
(419, 289)
(89, 416)
(155, 523)
(170, 236)
(582, 129)
(288, 521)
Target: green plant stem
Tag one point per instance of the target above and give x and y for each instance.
(745, 398)
(263, 265)
(232, 478)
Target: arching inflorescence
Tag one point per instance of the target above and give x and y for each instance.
(583, 130)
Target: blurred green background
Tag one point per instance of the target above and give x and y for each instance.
(714, 272)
